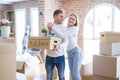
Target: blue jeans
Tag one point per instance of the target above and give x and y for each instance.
(59, 62)
(75, 60)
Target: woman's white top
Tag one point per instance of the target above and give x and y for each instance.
(71, 33)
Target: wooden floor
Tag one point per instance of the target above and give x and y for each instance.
(39, 73)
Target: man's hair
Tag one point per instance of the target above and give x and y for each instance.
(56, 12)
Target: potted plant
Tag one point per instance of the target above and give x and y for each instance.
(5, 22)
(44, 30)
(5, 28)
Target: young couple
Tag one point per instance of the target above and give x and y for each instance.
(69, 36)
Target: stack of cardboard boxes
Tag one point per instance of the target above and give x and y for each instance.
(106, 66)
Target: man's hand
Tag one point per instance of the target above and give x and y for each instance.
(56, 47)
(49, 25)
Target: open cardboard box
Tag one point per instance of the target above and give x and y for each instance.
(20, 66)
(20, 76)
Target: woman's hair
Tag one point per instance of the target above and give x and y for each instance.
(77, 20)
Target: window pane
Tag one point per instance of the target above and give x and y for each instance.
(19, 27)
(117, 20)
(88, 25)
(34, 21)
(90, 47)
(103, 19)
(106, 17)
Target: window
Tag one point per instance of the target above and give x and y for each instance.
(19, 27)
(103, 17)
(34, 21)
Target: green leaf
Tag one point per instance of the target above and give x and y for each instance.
(44, 30)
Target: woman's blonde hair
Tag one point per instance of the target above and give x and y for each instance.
(77, 19)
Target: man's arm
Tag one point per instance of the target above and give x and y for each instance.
(62, 45)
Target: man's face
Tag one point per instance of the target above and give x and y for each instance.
(59, 18)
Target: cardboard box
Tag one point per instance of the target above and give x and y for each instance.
(110, 37)
(110, 49)
(108, 66)
(97, 77)
(43, 42)
(20, 76)
(86, 68)
(20, 66)
(7, 59)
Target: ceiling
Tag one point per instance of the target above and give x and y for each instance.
(9, 1)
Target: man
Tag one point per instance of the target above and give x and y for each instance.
(56, 57)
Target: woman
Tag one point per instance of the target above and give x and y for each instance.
(73, 50)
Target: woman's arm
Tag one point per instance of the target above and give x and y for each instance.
(64, 43)
(65, 33)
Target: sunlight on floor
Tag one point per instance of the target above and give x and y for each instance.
(39, 73)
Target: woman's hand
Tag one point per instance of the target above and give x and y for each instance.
(49, 25)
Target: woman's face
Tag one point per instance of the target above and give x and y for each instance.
(71, 20)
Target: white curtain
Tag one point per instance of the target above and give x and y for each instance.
(34, 18)
(20, 22)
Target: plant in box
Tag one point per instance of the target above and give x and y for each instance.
(44, 30)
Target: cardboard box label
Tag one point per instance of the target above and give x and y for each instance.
(36, 43)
